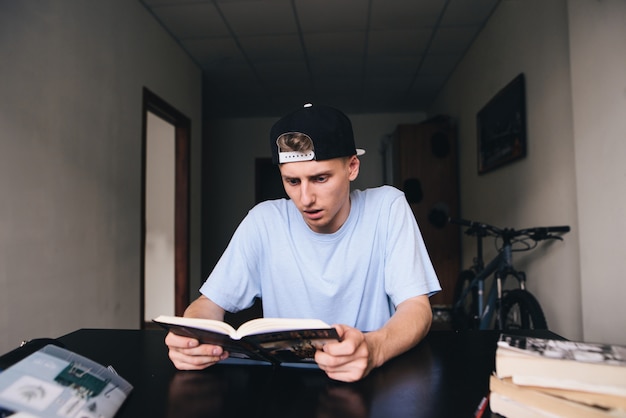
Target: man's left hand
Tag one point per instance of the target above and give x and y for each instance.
(349, 360)
(359, 353)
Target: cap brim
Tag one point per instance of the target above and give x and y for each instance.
(360, 151)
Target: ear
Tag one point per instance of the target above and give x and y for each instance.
(353, 167)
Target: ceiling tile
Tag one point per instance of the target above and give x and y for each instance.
(272, 47)
(214, 52)
(336, 67)
(434, 64)
(464, 12)
(326, 44)
(398, 41)
(294, 71)
(194, 20)
(453, 40)
(393, 66)
(332, 15)
(398, 84)
(405, 14)
(243, 17)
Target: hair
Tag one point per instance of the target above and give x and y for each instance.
(294, 141)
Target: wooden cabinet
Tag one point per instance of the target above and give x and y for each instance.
(422, 161)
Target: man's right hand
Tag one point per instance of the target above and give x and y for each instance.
(188, 354)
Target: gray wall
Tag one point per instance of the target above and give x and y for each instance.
(574, 58)
(70, 160)
(598, 77)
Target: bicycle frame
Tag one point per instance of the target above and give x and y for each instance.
(500, 267)
(511, 307)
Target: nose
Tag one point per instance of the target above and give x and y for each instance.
(307, 195)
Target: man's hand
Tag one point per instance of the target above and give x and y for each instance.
(358, 354)
(349, 360)
(189, 354)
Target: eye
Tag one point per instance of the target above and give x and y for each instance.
(321, 179)
(292, 182)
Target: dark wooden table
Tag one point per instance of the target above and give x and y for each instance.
(446, 375)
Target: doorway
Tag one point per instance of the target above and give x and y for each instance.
(165, 210)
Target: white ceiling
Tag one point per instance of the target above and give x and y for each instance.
(265, 57)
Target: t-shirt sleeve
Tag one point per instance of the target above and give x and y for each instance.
(234, 282)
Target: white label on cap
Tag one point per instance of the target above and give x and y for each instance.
(293, 156)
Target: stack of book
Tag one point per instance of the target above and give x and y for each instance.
(537, 377)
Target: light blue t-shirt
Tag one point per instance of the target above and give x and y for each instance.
(355, 276)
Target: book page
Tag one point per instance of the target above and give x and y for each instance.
(199, 323)
(263, 325)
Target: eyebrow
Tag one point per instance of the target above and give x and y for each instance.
(322, 173)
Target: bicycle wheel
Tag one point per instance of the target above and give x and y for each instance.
(520, 310)
(464, 312)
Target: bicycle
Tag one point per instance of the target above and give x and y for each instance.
(515, 308)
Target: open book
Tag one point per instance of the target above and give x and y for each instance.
(275, 340)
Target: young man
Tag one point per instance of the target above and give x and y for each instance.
(353, 259)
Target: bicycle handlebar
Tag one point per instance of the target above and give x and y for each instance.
(536, 233)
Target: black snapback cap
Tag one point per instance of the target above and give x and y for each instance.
(329, 129)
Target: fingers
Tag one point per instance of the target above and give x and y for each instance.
(344, 369)
(348, 360)
(177, 341)
(352, 340)
(184, 361)
(189, 354)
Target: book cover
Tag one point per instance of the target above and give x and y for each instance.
(55, 382)
(504, 406)
(274, 340)
(600, 400)
(507, 397)
(579, 366)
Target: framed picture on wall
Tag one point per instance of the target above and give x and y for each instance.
(502, 127)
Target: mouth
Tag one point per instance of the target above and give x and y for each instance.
(313, 214)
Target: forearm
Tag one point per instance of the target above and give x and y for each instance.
(204, 307)
(408, 326)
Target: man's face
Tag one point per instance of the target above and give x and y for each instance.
(321, 190)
